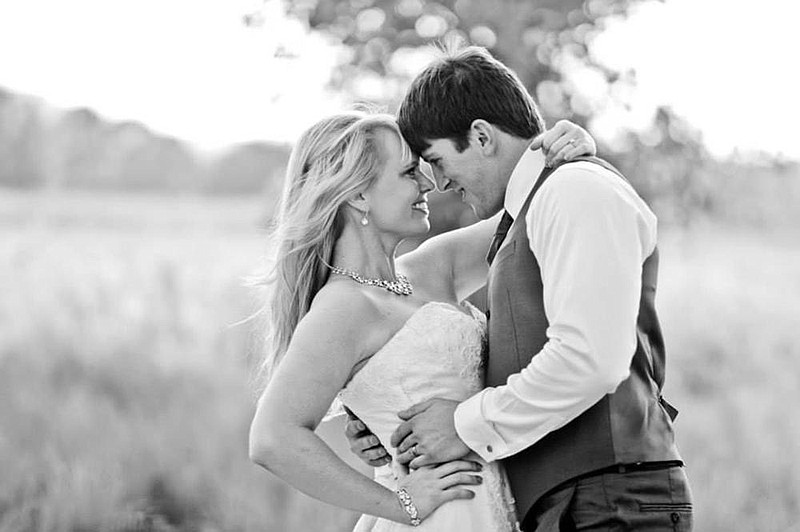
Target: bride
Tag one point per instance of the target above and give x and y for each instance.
(383, 333)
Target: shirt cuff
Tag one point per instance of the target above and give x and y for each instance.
(475, 431)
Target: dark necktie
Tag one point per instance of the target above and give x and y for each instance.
(499, 235)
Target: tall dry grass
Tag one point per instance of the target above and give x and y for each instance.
(730, 304)
(124, 398)
(124, 380)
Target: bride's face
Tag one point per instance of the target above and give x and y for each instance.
(397, 199)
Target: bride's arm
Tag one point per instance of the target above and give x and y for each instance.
(455, 259)
(325, 347)
(323, 351)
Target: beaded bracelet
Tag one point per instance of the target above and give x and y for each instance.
(408, 506)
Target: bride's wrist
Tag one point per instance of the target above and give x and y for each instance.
(409, 508)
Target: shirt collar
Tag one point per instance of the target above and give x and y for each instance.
(523, 178)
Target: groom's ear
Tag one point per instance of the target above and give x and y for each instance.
(483, 136)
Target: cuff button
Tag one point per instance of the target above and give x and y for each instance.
(489, 449)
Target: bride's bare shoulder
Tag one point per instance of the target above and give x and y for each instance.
(338, 320)
(345, 301)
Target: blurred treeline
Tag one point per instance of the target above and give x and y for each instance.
(41, 146)
(547, 42)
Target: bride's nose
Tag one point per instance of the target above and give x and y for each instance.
(425, 183)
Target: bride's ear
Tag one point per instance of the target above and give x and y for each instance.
(359, 202)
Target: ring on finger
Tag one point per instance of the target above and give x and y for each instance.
(414, 450)
(571, 141)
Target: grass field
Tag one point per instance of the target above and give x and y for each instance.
(124, 394)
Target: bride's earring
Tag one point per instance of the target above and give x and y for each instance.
(364, 219)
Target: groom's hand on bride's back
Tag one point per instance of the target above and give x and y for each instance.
(364, 443)
(428, 435)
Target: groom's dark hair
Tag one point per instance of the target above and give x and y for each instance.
(459, 87)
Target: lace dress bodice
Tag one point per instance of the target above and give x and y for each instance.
(437, 353)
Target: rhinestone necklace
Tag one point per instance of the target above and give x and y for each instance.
(401, 287)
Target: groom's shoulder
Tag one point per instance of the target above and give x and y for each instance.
(584, 167)
(580, 187)
(587, 177)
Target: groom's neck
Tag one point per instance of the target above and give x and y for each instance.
(512, 150)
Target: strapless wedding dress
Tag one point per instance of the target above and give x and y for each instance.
(437, 353)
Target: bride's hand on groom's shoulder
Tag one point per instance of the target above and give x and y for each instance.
(563, 142)
(428, 435)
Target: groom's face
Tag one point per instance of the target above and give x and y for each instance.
(468, 173)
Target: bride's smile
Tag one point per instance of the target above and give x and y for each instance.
(397, 199)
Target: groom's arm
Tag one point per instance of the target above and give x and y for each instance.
(590, 234)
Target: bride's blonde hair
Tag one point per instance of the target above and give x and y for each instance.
(331, 162)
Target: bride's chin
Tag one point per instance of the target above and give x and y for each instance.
(422, 230)
(426, 228)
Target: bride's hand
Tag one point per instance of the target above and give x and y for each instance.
(432, 486)
(563, 142)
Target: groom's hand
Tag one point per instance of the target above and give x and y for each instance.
(428, 434)
(364, 443)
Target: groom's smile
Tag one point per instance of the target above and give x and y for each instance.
(461, 171)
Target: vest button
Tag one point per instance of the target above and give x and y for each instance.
(489, 449)
(675, 517)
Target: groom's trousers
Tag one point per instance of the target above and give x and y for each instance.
(657, 499)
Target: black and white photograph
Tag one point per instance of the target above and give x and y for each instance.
(376, 266)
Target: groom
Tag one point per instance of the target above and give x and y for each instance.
(575, 368)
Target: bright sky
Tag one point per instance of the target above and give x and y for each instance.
(726, 65)
(191, 68)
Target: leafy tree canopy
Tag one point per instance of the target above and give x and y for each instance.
(388, 41)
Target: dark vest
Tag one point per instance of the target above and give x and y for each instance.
(633, 424)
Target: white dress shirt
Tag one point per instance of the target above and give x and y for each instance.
(590, 233)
